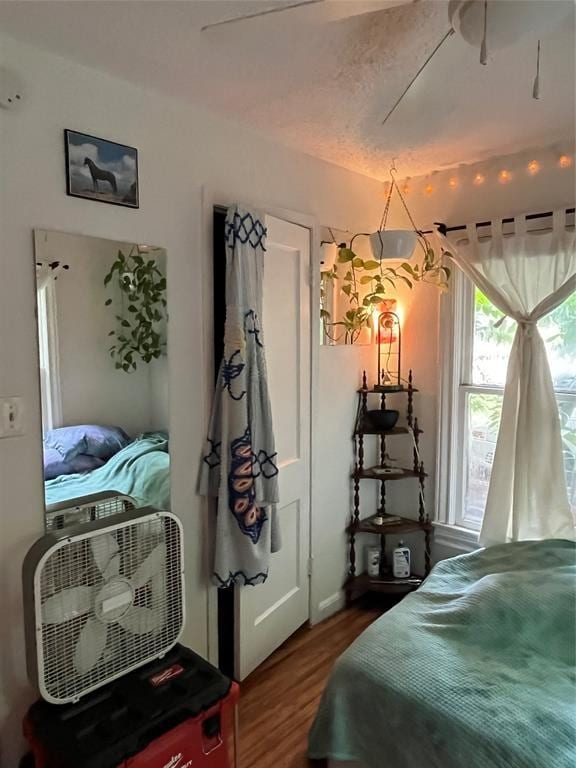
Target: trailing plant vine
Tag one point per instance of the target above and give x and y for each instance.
(139, 335)
(358, 272)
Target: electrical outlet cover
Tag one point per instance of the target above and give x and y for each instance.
(11, 417)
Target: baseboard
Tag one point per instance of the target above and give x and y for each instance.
(330, 606)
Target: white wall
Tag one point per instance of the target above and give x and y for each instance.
(181, 148)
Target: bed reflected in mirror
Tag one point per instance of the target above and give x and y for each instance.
(102, 340)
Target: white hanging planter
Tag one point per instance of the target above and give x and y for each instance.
(393, 244)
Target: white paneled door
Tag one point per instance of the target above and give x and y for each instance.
(268, 614)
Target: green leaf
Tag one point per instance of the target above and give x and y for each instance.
(345, 254)
(357, 262)
(405, 279)
(108, 278)
(347, 289)
(370, 264)
(125, 324)
(408, 268)
(112, 333)
(365, 279)
(132, 308)
(107, 302)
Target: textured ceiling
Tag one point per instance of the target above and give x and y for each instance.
(322, 78)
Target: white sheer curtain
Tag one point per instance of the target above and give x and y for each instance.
(526, 276)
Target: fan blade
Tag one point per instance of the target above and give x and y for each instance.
(104, 548)
(142, 620)
(90, 646)
(258, 14)
(152, 565)
(113, 568)
(66, 605)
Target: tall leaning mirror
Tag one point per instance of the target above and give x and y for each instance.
(102, 340)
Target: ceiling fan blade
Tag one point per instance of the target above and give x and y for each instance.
(257, 14)
(140, 621)
(104, 549)
(150, 567)
(66, 605)
(90, 646)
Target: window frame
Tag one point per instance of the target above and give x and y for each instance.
(48, 357)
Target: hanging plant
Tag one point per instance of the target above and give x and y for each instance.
(379, 279)
(140, 287)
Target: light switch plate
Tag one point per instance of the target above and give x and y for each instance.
(11, 416)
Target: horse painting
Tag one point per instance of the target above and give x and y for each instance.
(112, 167)
(100, 174)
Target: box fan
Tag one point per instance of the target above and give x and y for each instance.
(102, 599)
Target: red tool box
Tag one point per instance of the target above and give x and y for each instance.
(177, 712)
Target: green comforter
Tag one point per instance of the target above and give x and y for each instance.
(141, 470)
(474, 670)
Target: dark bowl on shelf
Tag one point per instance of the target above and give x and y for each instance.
(382, 419)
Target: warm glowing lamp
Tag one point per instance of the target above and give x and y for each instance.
(504, 176)
(389, 349)
(452, 183)
(428, 189)
(565, 161)
(479, 179)
(533, 167)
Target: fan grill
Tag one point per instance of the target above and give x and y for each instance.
(83, 562)
(86, 509)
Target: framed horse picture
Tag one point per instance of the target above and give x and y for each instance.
(102, 170)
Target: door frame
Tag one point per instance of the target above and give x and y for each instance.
(211, 199)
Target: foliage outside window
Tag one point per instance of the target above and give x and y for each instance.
(139, 302)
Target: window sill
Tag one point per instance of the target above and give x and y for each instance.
(456, 537)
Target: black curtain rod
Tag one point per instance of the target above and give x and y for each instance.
(443, 229)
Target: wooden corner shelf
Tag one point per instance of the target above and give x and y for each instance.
(394, 431)
(397, 473)
(359, 585)
(389, 391)
(391, 525)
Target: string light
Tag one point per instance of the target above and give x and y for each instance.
(504, 176)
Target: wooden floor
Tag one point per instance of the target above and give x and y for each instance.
(279, 700)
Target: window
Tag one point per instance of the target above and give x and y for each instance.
(48, 355)
(476, 342)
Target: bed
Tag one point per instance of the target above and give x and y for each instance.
(140, 470)
(474, 670)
